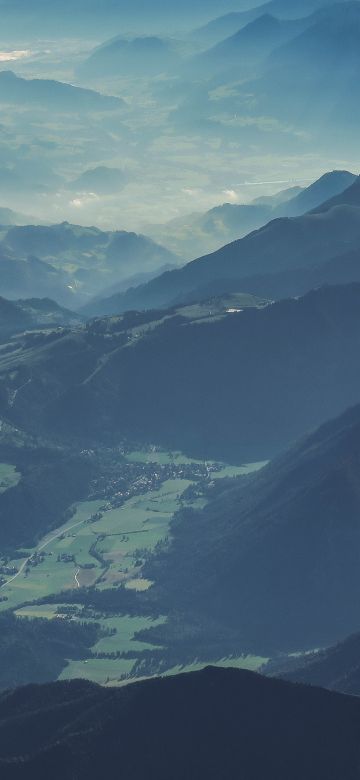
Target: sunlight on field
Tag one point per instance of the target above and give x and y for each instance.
(240, 471)
(139, 585)
(96, 546)
(98, 670)
(9, 477)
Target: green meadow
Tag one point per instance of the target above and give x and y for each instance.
(105, 546)
(9, 477)
(118, 538)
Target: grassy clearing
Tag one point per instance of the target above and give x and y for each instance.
(51, 575)
(139, 585)
(160, 457)
(118, 536)
(9, 477)
(239, 471)
(99, 670)
(126, 627)
(140, 524)
(164, 458)
(46, 611)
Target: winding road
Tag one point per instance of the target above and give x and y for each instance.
(42, 547)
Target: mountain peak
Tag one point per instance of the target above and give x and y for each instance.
(349, 197)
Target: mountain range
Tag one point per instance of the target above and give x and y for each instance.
(146, 55)
(248, 47)
(311, 80)
(54, 95)
(318, 237)
(70, 263)
(180, 407)
(227, 25)
(196, 234)
(280, 370)
(101, 180)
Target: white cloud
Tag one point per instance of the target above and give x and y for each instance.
(231, 195)
(84, 200)
(11, 56)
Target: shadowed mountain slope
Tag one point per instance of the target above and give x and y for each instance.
(282, 245)
(277, 556)
(241, 386)
(200, 233)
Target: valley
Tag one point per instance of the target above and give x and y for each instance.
(105, 545)
(179, 390)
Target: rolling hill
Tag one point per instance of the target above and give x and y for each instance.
(223, 723)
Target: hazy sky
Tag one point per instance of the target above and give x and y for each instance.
(183, 144)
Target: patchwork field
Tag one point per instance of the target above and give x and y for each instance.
(98, 545)
(105, 545)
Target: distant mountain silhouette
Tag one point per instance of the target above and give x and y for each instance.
(199, 233)
(248, 46)
(230, 23)
(224, 723)
(10, 217)
(102, 180)
(29, 277)
(121, 56)
(313, 239)
(53, 94)
(330, 186)
(34, 261)
(348, 197)
(312, 80)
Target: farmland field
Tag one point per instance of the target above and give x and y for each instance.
(99, 670)
(65, 559)
(105, 545)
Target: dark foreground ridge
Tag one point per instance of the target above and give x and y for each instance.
(224, 724)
